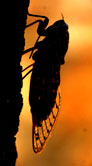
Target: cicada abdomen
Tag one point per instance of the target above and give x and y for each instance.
(44, 96)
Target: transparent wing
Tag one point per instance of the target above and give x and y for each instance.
(41, 132)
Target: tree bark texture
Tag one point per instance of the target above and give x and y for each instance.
(11, 101)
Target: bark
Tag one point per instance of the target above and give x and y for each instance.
(11, 101)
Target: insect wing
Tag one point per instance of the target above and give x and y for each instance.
(42, 131)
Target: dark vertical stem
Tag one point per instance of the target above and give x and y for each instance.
(11, 79)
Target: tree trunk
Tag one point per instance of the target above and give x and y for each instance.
(11, 80)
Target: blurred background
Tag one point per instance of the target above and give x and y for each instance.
(71, 141)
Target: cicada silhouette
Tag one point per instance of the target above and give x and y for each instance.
(44, 95)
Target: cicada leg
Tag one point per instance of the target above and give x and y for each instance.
(28, 67)
(27, 73)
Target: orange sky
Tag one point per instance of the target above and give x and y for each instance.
(71, 141)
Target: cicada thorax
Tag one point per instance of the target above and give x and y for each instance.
(55, 44)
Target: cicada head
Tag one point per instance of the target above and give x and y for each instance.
(62, 39)
(58, 35)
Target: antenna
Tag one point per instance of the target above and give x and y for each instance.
(62, 16)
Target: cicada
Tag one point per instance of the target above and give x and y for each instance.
(44, 94)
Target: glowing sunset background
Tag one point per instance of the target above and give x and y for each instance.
(71, 141)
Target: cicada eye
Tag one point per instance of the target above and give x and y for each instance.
(64, 25)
